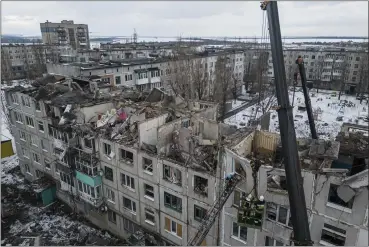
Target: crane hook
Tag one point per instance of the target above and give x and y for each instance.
(264, 4)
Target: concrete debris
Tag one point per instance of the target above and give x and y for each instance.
(324, 149)
(345, 193)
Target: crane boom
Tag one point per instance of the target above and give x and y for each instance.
(295, 188)
(301, 66)
(214, 211)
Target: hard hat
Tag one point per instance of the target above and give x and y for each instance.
(261, 198)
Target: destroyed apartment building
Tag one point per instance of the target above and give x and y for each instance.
(148, 167)
(335, 186)
(143, 166)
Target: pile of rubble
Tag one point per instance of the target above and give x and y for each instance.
(353, 143)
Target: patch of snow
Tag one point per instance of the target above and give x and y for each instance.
(329, 108)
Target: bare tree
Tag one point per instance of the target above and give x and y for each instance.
(318, 70)
(343, 70)
(363, 77)
(177, 76)
(6, 67)
(200, 77)
(39, 63)
(224, 76)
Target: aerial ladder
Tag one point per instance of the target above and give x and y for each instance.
(296, 195)
(214, 211)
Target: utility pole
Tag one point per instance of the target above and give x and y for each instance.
(295, 187)
(301, 66)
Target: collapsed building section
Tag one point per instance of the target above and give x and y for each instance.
(333, 187)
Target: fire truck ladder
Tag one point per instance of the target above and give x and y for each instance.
(214, 211)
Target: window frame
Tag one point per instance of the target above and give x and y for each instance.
(43, 127)
(127, 181)
(238, 236)
(151, 213)
(153, 192)
(112, 173)
(124, 157)
(18, 117)
(30, 120)
(112, 216)
(107, 147)
(172, 198)
(27, 169)
(110, 195)
(145, 166)
(133, 206)
(329, 229)
(200, 209)
(277, 210)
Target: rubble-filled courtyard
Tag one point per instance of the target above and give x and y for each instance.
(26, 222)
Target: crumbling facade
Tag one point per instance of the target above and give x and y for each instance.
(146, 170)
(336, 198)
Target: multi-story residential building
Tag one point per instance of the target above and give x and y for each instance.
(326, 67)
(148, 73)
(336, 193)
(150, 168)
(20, 61)
(65, 33)
(157, 166)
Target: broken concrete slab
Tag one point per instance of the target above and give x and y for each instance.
(345, 193)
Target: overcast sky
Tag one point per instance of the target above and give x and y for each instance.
(171, 18)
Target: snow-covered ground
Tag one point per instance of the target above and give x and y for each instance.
(329, 107)
(250, 113)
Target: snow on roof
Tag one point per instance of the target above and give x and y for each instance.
(5, 138)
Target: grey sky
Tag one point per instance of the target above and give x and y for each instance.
(171, 18)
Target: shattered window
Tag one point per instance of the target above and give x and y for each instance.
(201, 185)
(109, 173)
(88, 143)
(149, 191)
(333, 235)
(334, 198)
(110, 195)
(147, 165)
(269, 241)
(150, 215)
(271, 211)
(282, 216)
(173, 175)
(199, 213)
(126, 155)
(107, 149)
(237, 196)
(112, 217)
(41, 126)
